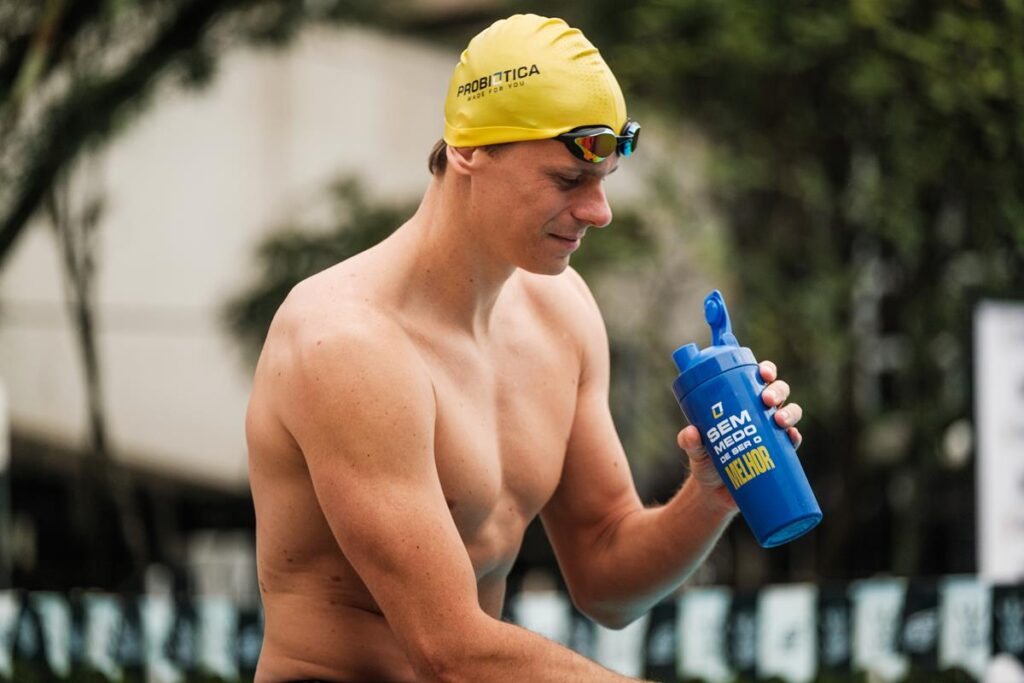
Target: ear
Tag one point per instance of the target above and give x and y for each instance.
(463, 160)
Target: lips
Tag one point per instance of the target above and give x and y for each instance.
(568, 238)
(571, 243)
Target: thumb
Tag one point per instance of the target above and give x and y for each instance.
(689, 441)
(700, 464)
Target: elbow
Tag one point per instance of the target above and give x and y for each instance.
(614, 619)
(435, 663)
(607, 613)
(447, 655)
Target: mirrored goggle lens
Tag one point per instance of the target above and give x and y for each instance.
(596, 147)
(632, 134)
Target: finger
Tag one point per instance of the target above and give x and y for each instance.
(789, 415)
(768, 371)
(795, 436)
(689, 441)
(775, 394)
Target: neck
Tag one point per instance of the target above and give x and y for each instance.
(450, 270)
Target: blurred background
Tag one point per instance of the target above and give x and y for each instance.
(850, 175)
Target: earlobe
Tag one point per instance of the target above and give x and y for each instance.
(462, 159)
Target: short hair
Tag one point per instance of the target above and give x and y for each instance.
(437, 162)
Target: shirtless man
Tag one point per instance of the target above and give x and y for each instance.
(417, 405)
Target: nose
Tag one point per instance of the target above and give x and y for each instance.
(591, 207)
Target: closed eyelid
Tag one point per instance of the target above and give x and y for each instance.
(588, 170)
(565, 174)
(596, 173)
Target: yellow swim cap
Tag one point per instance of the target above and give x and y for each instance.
(529, 78)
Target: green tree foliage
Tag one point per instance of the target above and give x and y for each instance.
(869, 164)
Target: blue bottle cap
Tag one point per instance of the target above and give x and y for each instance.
(697, 366)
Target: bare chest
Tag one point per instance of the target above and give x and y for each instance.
(503, 420)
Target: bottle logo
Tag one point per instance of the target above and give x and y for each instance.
(716, 410)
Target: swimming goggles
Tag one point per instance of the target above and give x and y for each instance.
(597, 143)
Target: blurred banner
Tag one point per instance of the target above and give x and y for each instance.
(545, 612)
(787, 634)
(5, 490)
(660, 644)
(965, 640)
(703, 620)
(886, 629)
(999, 414)
(622, 650)
(919, 634)
(877, 605)
(741, 642)
(835, 619)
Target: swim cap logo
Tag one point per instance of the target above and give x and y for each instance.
(512, 78)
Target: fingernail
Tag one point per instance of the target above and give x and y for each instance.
(784, 413)
(769, 396)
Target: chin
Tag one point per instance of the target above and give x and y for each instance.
(546, 268)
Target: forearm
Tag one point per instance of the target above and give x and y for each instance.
(499, 652)
(646, 554)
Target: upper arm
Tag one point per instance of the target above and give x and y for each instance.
(596, 488)
(362, 411)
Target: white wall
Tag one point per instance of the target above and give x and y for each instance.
(190, 189)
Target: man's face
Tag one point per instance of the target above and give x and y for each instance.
(534, 201)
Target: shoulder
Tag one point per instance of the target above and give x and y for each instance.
(331, 350)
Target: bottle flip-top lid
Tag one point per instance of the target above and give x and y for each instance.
(696, 366)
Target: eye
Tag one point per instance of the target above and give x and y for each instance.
(569, 182)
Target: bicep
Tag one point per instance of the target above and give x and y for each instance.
(365, 426)
(596, 488)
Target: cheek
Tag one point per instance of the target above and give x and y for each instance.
(545, 201)
(524, 206)
(531, 205)
(507, 198)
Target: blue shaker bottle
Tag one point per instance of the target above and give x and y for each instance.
(719, 389)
